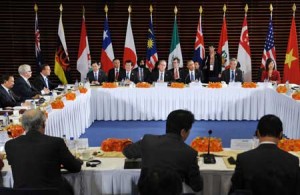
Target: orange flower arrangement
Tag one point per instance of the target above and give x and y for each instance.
(200, 144)
(70, 96)
(82, 89)
(177, 85)
(143, 85)
(57, 104)
(214, 85)
(249, 85)
(289, 145)
(14, 131)
(296, 95)
(114, 144)
(109, 85)
(281, 89)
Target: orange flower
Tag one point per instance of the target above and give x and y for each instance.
(114, 144)
(281, 89)
(214, 85)
(109, 85)
(249, 85)
(177, 85)
(57, 104)
(82, 89)
(70, 96)
(289, 145)
(200, 144)
(14, 131)
(296, 95)
(143, 85)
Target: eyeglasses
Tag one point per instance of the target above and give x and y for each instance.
(29, 71)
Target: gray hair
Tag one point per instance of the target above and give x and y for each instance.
(24, 68)
(33, 120)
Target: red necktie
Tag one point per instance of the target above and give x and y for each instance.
(117, 75)
(176, 75)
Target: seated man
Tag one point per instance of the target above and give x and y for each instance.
(232, 74)
(175, 71)
(191, 74)
(130, 75)
(7, 97)
(267, 169)
(117, 73)
(97, 76)
(161, 74)
(42, 81)
(142, 72)
(36, 158)
(169, 151)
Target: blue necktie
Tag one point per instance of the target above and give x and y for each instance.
(232, 76)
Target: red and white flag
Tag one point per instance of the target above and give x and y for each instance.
(129, 49)
(107, 53)
(244, 54)
(84, 57)
(223, 49)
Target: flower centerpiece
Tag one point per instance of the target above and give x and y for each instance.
(70, 96)
(143, 85)
(281, 89)
(289, 145)
(109, 85)
(214, 85)
(14, 130)
(249, 85)
(296, 95)
(82, 89)
(57, 104)
(200, 144)
(114, 144)
(177, 85)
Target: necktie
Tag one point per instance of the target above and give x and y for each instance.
(176, 75)
(232, 76)
(192, 76)
(141, 76)
(161, 77)
(117, 75)
(46, 81)
(96, 76)
(28, 83)
(127, 75)
(11, 95)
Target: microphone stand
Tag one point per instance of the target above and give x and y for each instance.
(209, 158)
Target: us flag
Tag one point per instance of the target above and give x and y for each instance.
(269, 49)
(38, 51)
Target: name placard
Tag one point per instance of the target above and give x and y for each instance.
(195, 84)
(234, 84)
(241, 144)
(160, 84)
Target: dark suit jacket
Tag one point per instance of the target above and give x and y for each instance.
(23, 90)
(167, 152)
(171, 71)
(267, 170)
(155, 76)
(133, 76)
(217, 66)
(238, 76)
(185, 75)
(6, 100)
(101, 76)
(39, 83)
(111, 75)
(147, 75)
(36, 160)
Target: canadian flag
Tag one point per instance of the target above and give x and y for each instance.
(129, 49)
(84, 58)
(223, 49)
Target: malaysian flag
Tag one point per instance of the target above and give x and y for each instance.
(152, 56)
(199, 52)
(38, 51)
(269, 49)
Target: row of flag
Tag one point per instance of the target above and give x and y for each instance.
(62, 65)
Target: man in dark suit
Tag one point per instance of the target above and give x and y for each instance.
(161, 74)
(176, 70)
(117, 73)
(23, 88)
(7, 96)
(42, 81)
(130, 75)
(169, 151)
(232, 74)
(97, 76)
(143, 73)
(191, 74)
(267, 169)
(36, 158)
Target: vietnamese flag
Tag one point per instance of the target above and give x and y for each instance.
(291, 63)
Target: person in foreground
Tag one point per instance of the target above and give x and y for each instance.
(36, 159)
(169, 151)
(267, 169)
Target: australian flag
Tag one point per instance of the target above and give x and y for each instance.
(152, 56)
(38, 51)
(199, 51)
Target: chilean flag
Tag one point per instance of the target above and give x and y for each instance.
(107, 53)
(129, 49)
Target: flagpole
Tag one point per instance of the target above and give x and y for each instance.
(151, 10)
(271, 10)
(175, 12)
(246, 9)
(294, 9)
(224, 9)
(106, 10)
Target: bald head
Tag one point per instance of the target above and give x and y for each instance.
(34, 120)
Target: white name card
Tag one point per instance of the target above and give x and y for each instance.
(64, 99)
(241, 144)
(264, 84)
(48, 109)
(234, 84)
(160, 84)
(195, 84)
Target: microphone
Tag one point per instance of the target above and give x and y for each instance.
(209, 158)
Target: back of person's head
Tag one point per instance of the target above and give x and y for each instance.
(159, 182)
(33, 120)
(269, 125)
(178, 120)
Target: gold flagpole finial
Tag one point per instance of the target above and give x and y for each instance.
(175, 10)
(60, 8)
(224, 8)
(129, 9)
(35, 7)
(200, 9)
(151, 9)
(83, 10)
(271, 7)
(106, 9)
(294, 8)
(246, 8)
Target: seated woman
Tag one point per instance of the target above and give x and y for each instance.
(270, 74)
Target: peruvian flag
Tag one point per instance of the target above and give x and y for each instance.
(244, 55)
(129, 49)
(84, 57)
(107, 53)
(223, 49)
